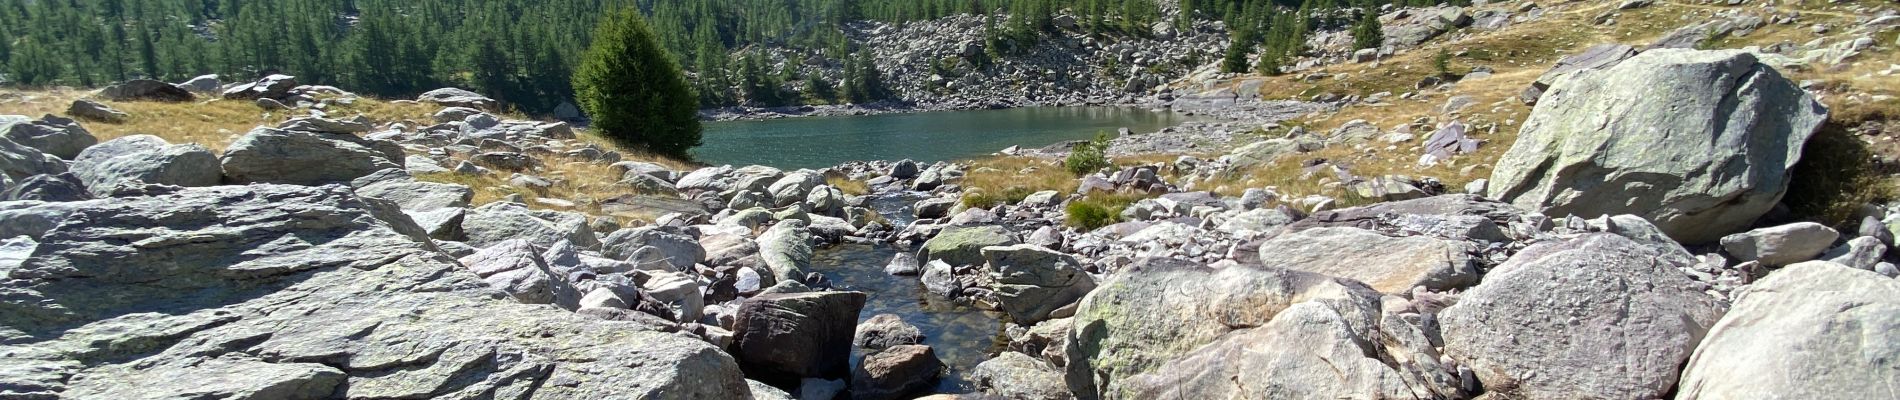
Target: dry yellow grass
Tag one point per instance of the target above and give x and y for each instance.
(216, 123)
(213, 123)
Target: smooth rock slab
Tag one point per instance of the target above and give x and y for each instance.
(1813, 330)
(1599, 316)
(305, 158)
(299, 277)
(961, 246)
(1389, 264)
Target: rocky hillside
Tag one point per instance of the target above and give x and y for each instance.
(1662, 222)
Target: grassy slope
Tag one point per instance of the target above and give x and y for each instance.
(1518, 54)
(216, 123)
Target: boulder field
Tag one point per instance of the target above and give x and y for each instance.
(1619, 253)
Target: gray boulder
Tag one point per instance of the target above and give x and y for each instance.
(96, 111)
(60, 137)
(1701, 143)
(786, 250)
(208, 84)
(1599, 316)
(273, 291)
(53, 188)
(148, 159)
(895, 373)
(1032, 282)
(269, 87)
(798, 335)
(146, 90)
(1013, 375)
(500, 221)
(458, 98)
(1814, 330)
(515, 267)
(1166, 328)
(673, 251)
(794, 187)
(1781, 245)
(268, 155)
(1389, 264)
(19, 161)
(884, 331)
(961, 246)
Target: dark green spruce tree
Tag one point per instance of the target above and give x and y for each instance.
(634, 90)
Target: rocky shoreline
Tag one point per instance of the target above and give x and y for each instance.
(1629, 258)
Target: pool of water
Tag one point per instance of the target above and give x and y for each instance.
(816, 142)
(961, 336)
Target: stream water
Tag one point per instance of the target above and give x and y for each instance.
(815, 142)
(960, 336)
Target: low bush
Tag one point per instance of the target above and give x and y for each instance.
(1090, 216)
(1088, 157)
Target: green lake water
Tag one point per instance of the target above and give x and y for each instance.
(815, 142)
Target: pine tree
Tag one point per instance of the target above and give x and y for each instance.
(634, 90)
(1367, 34)
(33, 65)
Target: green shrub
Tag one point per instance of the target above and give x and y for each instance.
(1090, 216)
(1835, 177)
(1088, 157)
(634, 91)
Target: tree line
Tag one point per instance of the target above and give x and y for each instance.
(524, 51)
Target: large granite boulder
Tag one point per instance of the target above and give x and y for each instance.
(273, 291)
(1165, 328)
(60, 137)
(1390, 264)
(1814, 330)
(146, 90)
(268, 155)
(794, 187)
(1032, 281)
(148, 159)
(1698, 142)
(785, 336)
(1599, 316)
(960, 246)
